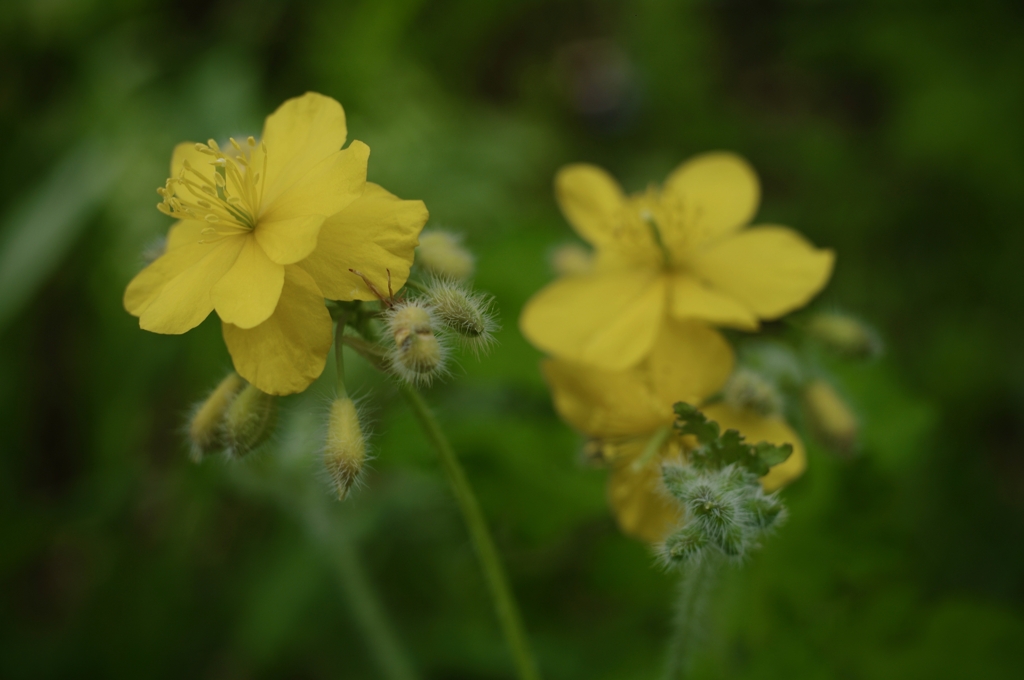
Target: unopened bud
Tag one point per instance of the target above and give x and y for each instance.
(204, 429)
(679, 480)
(829, 416)
(418, 354)
(443, 254)
(685, 545)
(466, 313)
(749, 391)
(765, 511)
(249, 420)
(346, 448)
(845, 335)
(571, 259)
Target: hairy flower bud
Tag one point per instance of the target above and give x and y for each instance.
(829, 416)
(204, 428)
(845, 335)
(346, 447)
(466, 313)
(750, 391)
(685, 545)
(571, 258)
(442, 253)
(418, 354)
(249, 420)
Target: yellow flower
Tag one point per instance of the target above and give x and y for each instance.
(679, 252)
(267, 230)
(629, 414)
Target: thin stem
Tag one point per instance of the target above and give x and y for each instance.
(691, 605)
(339, 355)
(367, 610)
(487, 554)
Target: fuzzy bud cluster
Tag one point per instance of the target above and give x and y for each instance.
(726, 512)
(418, 354)
(236, 417)
(345, 451)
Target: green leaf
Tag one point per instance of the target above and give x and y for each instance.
(773, 454)
(720, 449)
(689, 420)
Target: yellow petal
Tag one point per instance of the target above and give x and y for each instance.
(300, 134)
(289, 226)
(326, 188)
(604, 403)
(591, 201)
(247, 295)
(286, 241)
(288, 351)
(689, 362)
(148, 284)
(605, 319)
(714, 194)
(642, 507)
(185, 232)
(376, 234)
(185, 300)
(691, 299)
(770, 270)
(757, 428)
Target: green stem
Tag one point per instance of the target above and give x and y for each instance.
(367, 610)
(487, 553)
(339, 356)
(691, 606)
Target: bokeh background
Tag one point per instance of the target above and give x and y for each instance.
(893, 135)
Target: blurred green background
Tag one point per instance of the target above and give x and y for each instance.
(895, 136)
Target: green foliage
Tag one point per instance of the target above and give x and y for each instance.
(718, 450)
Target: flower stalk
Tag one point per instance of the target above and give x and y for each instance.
(691, 608)
(483, 543)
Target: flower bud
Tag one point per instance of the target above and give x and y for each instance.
(749, 391)
(829, 416)
(845, 335)
(346, 448)
(204, 429)
(418, 354)
(442, 253)
(249, 420)
(765, 512)
(571, 259)
(466, 313)
(685, 545)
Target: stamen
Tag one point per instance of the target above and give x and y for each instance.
(228, 196)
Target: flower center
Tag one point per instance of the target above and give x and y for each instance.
(228, 199)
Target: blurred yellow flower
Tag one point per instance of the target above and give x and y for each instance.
(679, 252)
(267, 230)
(629, 415)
